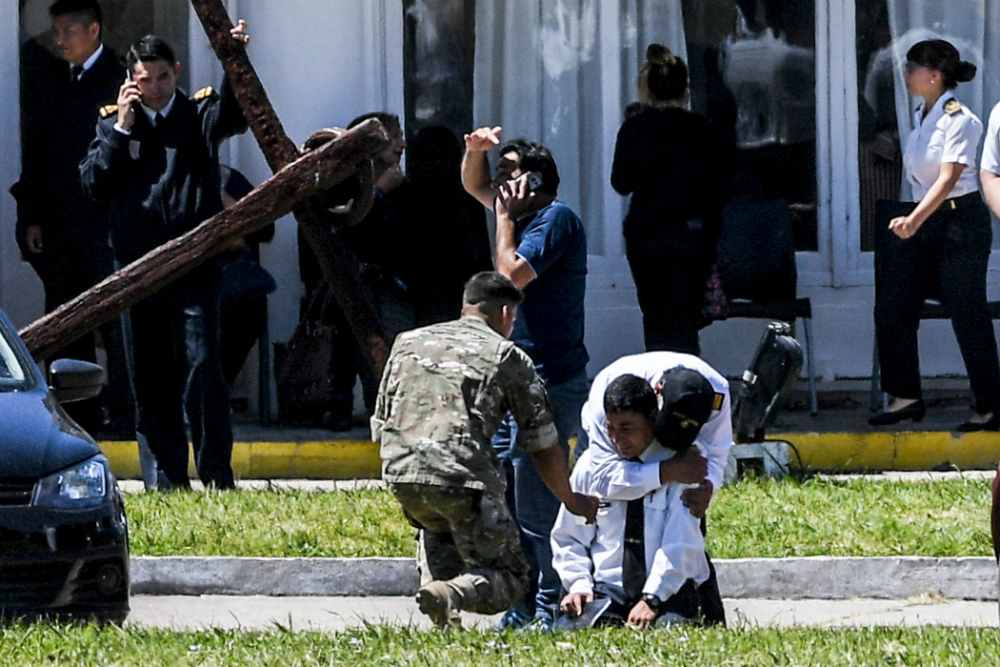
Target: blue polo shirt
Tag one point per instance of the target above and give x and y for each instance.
(549, 324)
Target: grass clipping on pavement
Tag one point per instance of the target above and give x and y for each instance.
(384, 645)
(754, 518)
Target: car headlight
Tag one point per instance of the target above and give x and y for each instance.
(83, 485)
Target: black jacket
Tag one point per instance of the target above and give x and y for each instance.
(57, 125)
(161, 182)
(672, 163)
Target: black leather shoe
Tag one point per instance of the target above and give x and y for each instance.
(914, 411)
(991, 424)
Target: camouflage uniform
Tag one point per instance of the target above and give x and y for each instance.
(445, 390)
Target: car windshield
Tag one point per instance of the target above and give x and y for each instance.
(13, 374)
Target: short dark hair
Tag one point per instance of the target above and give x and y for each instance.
(148, 49)
(942, 56)
(629, 393)
(532, 156)
(490, 291)
(666, 75)
(389, 120)
(87, 10)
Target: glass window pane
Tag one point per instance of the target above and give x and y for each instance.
(753, 72)
(880, 159)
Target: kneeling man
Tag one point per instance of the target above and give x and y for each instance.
(445, 390)
(642, 561)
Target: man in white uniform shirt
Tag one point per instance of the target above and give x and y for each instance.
(616, 479)
(645, 555)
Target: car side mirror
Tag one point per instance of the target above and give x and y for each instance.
(73, 380)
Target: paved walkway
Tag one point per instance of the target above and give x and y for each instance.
(135, 486)
(335, 614)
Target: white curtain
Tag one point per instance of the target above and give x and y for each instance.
(973, 27)
(538, 73)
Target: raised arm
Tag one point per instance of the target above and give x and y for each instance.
(475, 166)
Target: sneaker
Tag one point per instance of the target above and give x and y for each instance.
(514, 619)
(440, 602)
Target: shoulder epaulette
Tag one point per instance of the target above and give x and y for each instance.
(717, 401)
(952, 107)
(204, 93)
(107, 110)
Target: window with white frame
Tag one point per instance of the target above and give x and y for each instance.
(885, 31)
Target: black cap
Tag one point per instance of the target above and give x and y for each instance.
(688, 398)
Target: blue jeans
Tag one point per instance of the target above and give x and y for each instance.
(531, 503)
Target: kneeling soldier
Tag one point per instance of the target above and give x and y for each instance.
(445, 390)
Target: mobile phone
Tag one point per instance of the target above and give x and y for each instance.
(534, 180)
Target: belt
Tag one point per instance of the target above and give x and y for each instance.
(971, 199)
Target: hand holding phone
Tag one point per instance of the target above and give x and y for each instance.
(128, 94)
(534, 180)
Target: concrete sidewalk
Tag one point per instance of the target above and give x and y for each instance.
(817, 577)
(332, 614)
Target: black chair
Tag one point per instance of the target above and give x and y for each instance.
(930, 309)
(758, 272)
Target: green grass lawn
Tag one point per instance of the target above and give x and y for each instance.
(755, 518)
(375, 645)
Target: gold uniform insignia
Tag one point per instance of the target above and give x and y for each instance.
(952, 106)
(717, 402)
(107, 110)
(203, 93)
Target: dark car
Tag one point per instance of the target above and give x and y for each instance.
(63, 532)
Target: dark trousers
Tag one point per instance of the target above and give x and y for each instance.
(177, 365)
(950, 251)
(669, 275)
(70, 265)
(241, 327)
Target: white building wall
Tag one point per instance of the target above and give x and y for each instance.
(323, 68)
(20, 290)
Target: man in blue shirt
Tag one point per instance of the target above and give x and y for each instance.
(541, 246)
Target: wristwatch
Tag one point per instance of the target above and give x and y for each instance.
(652, 601)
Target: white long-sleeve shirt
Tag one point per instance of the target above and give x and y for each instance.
(613, 478)
(585, 554)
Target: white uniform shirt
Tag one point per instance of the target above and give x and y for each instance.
(584, 554)
(941, 138)
(617, 479)
(991, 147)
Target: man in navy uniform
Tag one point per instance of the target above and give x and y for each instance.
(60, 231)
(155, 161)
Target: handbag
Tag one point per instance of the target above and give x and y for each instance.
(716, 304)
(302, 364)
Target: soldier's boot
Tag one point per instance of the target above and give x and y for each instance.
(441, 601)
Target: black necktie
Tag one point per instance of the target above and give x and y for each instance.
(75, 71)
(634, 555)
(157, 119)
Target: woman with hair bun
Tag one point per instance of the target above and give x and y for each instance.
(945, 238)
(669, 160)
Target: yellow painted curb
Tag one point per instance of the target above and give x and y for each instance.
(358, 459)
(906, 450)
(342, 459)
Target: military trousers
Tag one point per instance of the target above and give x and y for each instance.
(469, 540)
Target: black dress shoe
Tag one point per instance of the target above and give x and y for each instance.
(914, 411)
(991, 424)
